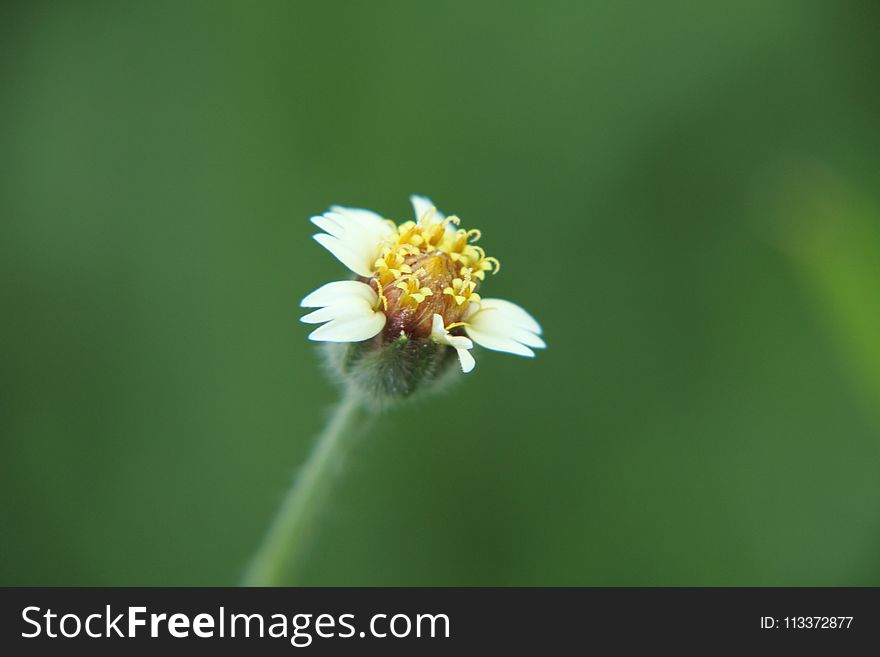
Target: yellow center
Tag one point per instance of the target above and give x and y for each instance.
(429, 267)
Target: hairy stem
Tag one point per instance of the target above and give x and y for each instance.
(281, 551)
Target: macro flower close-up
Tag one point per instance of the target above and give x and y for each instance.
(415, 304)
(411, 312)
(439, 295)
(416, 281)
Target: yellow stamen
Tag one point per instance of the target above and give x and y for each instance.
(382, 300)
(427, 259)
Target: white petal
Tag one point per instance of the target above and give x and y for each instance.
(358, 259)
(328, 225)
(359, 225)
(351, 329)
(369, 224)
(499, 343)
(365, 221)
(437, 328)
(466, 359)
(422, 205)
(368, 217)
(512, 313)
(354, 236)
(459, 342)
(338, 290)
(528, 338)
(348, 307)
(340, 310)
(503, 326)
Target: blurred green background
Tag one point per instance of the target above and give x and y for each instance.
(683, 193)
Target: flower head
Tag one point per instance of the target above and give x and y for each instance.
(415, 288)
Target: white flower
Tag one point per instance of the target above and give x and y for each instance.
(419, 280)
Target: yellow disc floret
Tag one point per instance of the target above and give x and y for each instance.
(428, 267)
(462, 289)
(413, 290)
(391, 266)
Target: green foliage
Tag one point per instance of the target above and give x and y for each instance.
(691, 421)
(832, 234)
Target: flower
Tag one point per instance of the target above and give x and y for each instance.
(416, 283)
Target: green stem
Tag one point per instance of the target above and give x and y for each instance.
(282, 548)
